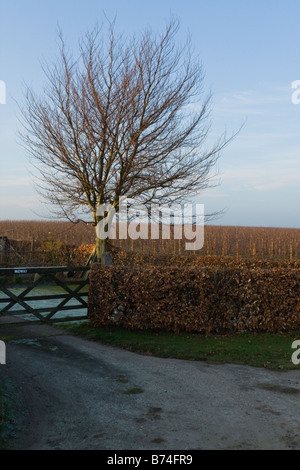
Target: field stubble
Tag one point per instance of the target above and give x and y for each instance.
(57, 242)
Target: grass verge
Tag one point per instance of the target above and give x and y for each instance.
(271, 351)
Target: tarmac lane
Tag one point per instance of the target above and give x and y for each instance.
(75, 394)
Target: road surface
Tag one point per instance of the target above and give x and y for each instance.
(71, 393)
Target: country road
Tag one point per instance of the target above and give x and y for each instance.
(71, 393)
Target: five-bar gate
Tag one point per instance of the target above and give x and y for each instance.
(44, 294)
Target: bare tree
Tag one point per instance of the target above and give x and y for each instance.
(126, 118)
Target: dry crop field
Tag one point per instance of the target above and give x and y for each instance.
(68, 233)
(221, 243)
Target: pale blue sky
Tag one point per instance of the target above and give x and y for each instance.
(250, 53)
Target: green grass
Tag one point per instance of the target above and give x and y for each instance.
(271, 351)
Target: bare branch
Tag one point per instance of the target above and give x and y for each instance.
(125, 118)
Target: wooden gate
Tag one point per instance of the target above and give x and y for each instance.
(43, 295)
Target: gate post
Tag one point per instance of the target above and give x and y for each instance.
(3, 242)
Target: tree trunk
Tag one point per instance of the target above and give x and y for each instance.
(102, 253)
(102, 234)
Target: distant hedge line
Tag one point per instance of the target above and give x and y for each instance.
(194, 299)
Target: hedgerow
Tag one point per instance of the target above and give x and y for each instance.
(195, 299)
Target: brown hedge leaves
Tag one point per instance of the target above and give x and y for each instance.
(196, 299)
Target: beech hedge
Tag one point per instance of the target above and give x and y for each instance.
(207, 300)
